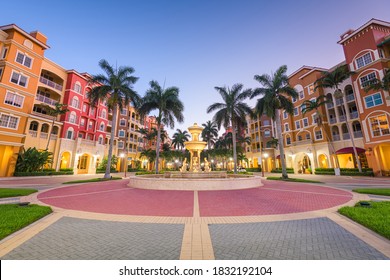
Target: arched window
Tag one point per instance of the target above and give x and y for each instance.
(72, 117)
(75, 102)
(101, 128)
(28, 44)
(104, 114)
(55, 130)
(69, 133)
(77, 87)
(45, 128)
(34, 126)
(100, 140)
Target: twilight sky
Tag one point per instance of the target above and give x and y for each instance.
(194, 45)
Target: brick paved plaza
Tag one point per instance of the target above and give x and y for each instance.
(276, 221)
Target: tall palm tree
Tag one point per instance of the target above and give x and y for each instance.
(58, 110)
(276, 96)
(179, 138)
(333, 80)
(168, 105)
(209, 133)
(231, 111)
(315, 105)
(115, 86)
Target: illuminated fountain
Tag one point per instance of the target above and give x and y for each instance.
(195, 178)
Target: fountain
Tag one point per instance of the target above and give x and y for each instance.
(195, 178)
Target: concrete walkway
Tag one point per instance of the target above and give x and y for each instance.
(223, 230)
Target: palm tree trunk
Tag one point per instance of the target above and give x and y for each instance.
(234, 146)
(281, 144)
(107, 174)
(158, 145)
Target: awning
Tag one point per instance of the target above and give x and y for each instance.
(349, 150)
(278, 156)
(384, 42)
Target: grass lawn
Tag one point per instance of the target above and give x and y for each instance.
(293, 180)
(7, 192)
(14, 217)
(373, 191)
(92, 180)
(376, 217)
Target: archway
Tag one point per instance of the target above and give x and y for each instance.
(323, 161)
(65, 160)
(382, 151)
(302, 164)
(83, 164)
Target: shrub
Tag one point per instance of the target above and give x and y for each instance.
(279, 170)
(258, 169)
(32, 160)
(100, 171)
(345, 171)
(66, 169)
(42, 173)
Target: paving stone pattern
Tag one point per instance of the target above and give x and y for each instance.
(310, 239)
(76, 239)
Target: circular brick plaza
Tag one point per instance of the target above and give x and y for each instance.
(273, 198)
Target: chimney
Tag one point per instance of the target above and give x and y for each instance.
(39, 36)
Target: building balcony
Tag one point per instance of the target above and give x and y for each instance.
(339, 101)
(50, 84)
(33, 133)
(46, 100)
(302, 142)
(336, 137)
(342, 118)
(329, 105)
(354, 115)
(87, 142)
(43, 135)
(357, 134)
(346, 136)
(350, 97)
(332, 120)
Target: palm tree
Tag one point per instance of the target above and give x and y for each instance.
(231, 111)
(168, 105)
(209, 133)
(179, 138)
(58, 110)
(276, 96)
(273, 143)
(116, 86)
(333, 80)
(149, 154)
(315, 105)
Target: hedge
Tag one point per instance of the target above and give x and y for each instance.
(41, 173)
(345, 171)
(100, 171)
(258, 169)
(279, 170)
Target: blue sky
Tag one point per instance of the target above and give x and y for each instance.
(194, 45)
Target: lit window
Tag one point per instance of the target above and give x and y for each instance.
(368, 79)
(379, 125)
(310, 89)
(373, 100)
(9, 121)
(19, 79)
(14, 99)
(23, 59)
(363, 60)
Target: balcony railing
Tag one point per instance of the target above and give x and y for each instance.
(346, 136)
(336, 137)
(50, 83)
(354, 115)
(350, 97)
(45, 99)
(33, 133)
(339, 101)
(329, 105)
(332, 120)
(88, 142)
(342, 118)
(302, 142)
(43, 135)
(357, 134)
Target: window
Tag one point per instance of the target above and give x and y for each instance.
(284, 115)
(101, 128)
(33, 126)
(85, 108)
(373, 100)
(77, 87)
(379, 126)
(82, 122)
(294, 99)
(266, 122)
(75, 102)
(310, 89)
(288, 140)
(1, 72)
(363, 60)
(298, 124)
(9, 121)
(23, 59)
(28, 44)
(104, 114)
(305, 122)
(299, 137)
(4, 53)
(100, 140)
(19, 79)
(14, 99)
(367, 80)
(296, 111)
(318, 134)
(303, 107)
(72, 117)
(124, 112)
(122, 122)
(92, 111)
(286, 127)
(69, 133)
(308, 136)
(90, 125)
(267, 133)
(301, 95)
(121, 133)
(120, 145)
